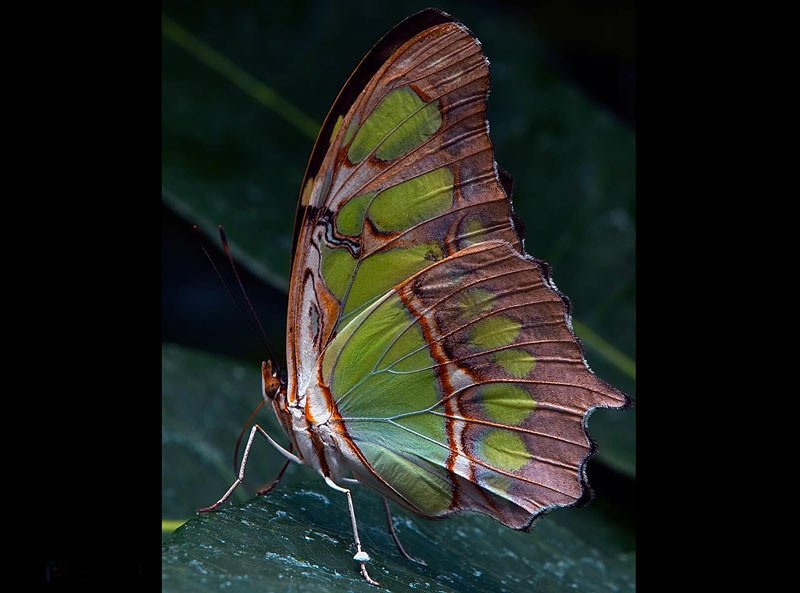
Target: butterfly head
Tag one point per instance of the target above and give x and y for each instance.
(273, 385)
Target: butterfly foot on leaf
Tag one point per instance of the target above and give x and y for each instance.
(204, 510)
(419, 561)
(362, 557)
(366, 576)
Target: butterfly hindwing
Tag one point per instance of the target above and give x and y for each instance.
(464, 388)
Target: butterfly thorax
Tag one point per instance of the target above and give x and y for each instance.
(274, 392)
(306, 420)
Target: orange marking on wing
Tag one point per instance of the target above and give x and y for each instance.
(437, 352)
(330, 310)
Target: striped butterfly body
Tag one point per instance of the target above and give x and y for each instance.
(429, 358)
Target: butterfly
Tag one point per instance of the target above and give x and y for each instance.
(429, 358)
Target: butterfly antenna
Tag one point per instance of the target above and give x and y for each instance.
(245, 428)
(258, 329)
(253, 317)
(228, 290)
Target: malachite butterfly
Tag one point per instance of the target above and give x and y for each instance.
(429, 357)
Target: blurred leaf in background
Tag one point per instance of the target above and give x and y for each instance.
(245, 86)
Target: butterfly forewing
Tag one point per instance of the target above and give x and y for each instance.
(464, 388)
(408, 178)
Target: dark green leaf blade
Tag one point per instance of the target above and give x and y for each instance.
(300, 540)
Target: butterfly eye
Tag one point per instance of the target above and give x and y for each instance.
(272, 388)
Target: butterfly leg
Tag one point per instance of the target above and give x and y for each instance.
(361, 556)
(256, 429)
(267, 488)
(396, 539)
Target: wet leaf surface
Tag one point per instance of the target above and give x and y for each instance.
(300, 540)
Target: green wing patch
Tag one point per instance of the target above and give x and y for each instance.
(401, 122)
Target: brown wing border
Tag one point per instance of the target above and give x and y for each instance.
(587, 494)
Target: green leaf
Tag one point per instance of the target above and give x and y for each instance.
(298, 538)
(237, 81)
